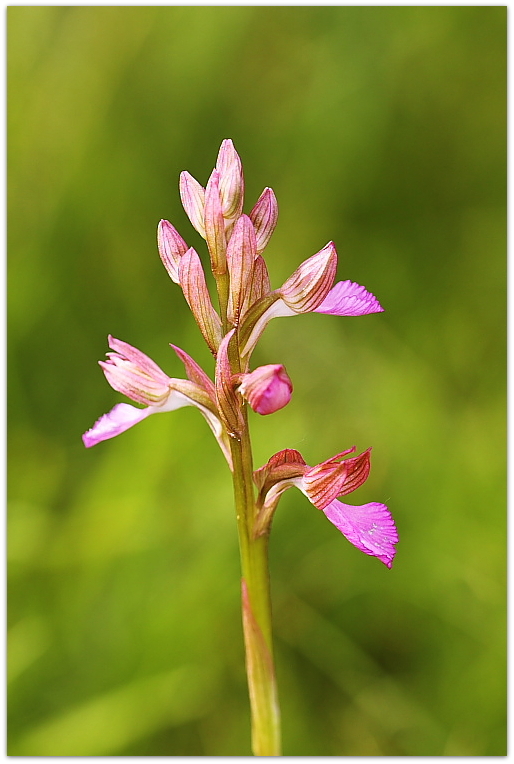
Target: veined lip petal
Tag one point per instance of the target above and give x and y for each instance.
(311, 281)
(349, 299)
(369, 527)
(192, 195)
(123, 416)
(229, 406)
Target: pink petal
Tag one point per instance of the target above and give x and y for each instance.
(120, 418)
(264, 217)
(192, 195)
(215, 225)
(267, 389)
(195, 372)
(241, 253)
(231, 183)
(369, 527)
(194, 286)
(171, 247)
(349, 299)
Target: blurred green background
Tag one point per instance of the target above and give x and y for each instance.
(382, 128)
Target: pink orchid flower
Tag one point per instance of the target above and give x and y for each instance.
(309, 290)
(369, 527)
(131, 372)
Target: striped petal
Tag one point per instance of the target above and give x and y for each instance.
(369, 527)
(349, 299)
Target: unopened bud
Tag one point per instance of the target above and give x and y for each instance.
(231, 182)
(171, 248)
(267, 389)
(264, 218)
(192, 195)
(215, 225)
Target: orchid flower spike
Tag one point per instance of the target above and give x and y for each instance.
(369, 527)
(131, 372)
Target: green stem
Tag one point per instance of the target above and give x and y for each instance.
(256, 600)
(256, 603)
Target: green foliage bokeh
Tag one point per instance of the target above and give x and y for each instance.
(383, 129)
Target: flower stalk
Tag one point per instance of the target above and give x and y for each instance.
(247, 303)
(256, 608)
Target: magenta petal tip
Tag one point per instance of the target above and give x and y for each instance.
(369, 527)
(349, 299)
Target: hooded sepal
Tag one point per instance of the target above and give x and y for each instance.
(349, 299)
(264, 217)
(334, 477)
(131, 372)
(303, 291)
(282, 471)
(231, 180)
(308, 286)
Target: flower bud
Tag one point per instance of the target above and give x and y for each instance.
(241, 253)
(192, 195)
(171, 248)
(267, 389)
(192, 281)
(215, 226)
(264, 218)
(231, 182)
